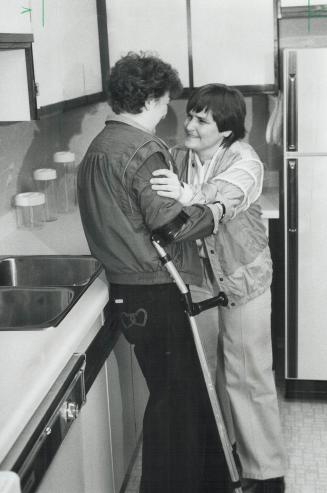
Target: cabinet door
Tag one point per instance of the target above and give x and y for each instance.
(122, 424)
(300, 3)
(97, 456)
(14, 90)
(225, 42)
(159, 26)
(14, 17)
(66, 50)
(83, 463)
(65, 473)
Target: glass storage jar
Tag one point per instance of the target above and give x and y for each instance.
(66, 181)
(46, 182)
(30, 210)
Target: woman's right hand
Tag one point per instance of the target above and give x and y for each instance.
(166, 184)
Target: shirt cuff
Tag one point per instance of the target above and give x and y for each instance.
(216, 212)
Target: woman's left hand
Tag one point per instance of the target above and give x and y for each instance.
(166, 184)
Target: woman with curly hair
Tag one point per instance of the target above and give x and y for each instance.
(120, 211)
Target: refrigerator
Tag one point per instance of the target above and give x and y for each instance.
(305, 219)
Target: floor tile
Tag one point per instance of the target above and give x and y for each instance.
(304, 425)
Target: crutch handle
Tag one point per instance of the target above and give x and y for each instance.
(199, 307)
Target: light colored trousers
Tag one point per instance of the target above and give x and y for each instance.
(239, 356)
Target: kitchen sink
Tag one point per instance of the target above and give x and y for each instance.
(33, 308)
(37, 291)
(48, 270)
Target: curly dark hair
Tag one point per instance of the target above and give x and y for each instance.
(138, 76)
(227, 105)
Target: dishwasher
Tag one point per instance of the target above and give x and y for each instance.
(33, 452)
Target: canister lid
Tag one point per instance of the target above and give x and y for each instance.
(45, 174)
(64, 157)
(29, 199)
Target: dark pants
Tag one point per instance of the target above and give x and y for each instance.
(181, 448)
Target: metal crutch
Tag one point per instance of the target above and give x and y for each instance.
(193, 309)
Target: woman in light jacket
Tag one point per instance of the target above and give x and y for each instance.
(215, 165)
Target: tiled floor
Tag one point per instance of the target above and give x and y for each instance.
(305, 432)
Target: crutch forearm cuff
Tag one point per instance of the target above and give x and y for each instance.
(168, 232)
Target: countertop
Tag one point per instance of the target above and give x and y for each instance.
(269, 201)
(31, 361)
(66, 236)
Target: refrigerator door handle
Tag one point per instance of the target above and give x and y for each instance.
(292, 200)
(292, 104)
(292, 268)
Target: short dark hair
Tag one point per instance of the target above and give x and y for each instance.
(138, 76)
(227, 105)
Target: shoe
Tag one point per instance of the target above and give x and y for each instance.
(273, 485)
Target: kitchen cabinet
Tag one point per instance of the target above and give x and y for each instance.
(303, 8)
(17, 95)
(225, 43)
(83, 463)
(98, 460)
(158, 26)
(99, 448)
(17, 92)
(300, 3)
(121, 405)
(14, 18)
(207, 41)
(66, 50)
(51, 453)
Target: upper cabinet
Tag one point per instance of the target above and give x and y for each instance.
(233, 42)
(303, 8)
(66, 50)
(17, 90)
(52, 55)
(300, 3)
(14, 18)
(15, 104)
(159, 26)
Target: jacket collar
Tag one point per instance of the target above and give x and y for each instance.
(132, 123)
(128, 121)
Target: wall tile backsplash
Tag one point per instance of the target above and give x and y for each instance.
(26, 146)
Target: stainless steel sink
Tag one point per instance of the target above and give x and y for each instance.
(37, 291)
(48, 270)
(33, 308)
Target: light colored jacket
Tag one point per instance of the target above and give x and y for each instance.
(238, 253)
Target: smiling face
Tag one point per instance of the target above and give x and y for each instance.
(202, 134)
